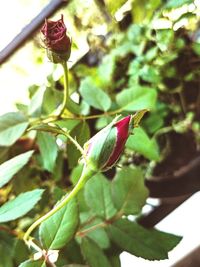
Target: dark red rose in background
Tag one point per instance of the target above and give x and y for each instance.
(55, 36)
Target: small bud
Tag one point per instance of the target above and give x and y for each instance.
(104, 149)
(56, 41)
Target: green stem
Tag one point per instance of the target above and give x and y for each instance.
(183, 103)
(36, 247)
(103, 224)
(85, 176)
(92, 228)
(164, 130)
(66, 88)
(74, 142)
(52, 117)
(108, 113)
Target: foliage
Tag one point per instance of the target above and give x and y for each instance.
(19, 206)
(138, 66)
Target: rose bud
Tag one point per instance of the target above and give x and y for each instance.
(56, 41)
(103, 150)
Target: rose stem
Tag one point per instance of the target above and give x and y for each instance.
(66, 88)
(86, 174)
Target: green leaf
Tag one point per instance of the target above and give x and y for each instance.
(128, 190)
(72, 251)
(4, 154)
(154, 122)
(103, 122)
(82, 134)
(92, 253)
(68, 124)
(35, 107)
(59, 165)
(32, 263)
(141, 143)
(165, 38)
(115, 260)
(22, 108)
(133, 72)
(73, 107)
(48, 149)
(148, 244)
(136, 98)
(58, 229)
(101, 205)
(106, 70)
(113, 5)
(6, 239)
(12, 126)
(75, 265)
(76, 174)
(177, 3)
(151, 54)
(20, 251)
(196, 48)
(99, 235)
(20, 205)
(57, 129)
(51, 99)
(6, 245)
(150, 74)
(12, 166)
(94, 96)
(135, 34)
(6, 260)
(6, 249)
(44, 127)
(142, 10)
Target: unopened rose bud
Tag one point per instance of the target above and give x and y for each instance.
(103, 150)
(56, 40)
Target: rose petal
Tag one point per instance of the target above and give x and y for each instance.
(55, 37)
(122, 135)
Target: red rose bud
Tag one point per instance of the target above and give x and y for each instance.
(57, 42)
(104, 149)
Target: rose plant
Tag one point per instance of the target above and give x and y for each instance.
(81, 156)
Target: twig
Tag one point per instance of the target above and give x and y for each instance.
(8, 230)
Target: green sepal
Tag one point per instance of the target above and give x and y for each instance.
(103, 145)
(136, 118)
(56, 57)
